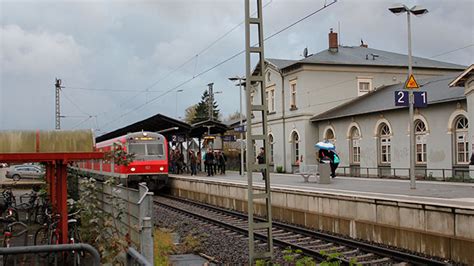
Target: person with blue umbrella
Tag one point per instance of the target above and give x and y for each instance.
(327, 154)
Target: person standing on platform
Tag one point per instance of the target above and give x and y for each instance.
(209, 161)
(261, 160)
(334, 162)
(193, 161)
(222, 161)
(214, 162)
(198, 162)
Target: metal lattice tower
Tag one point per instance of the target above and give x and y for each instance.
(58, 112)
(257, 81)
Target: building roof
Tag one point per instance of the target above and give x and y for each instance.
(167, 125)
(281, 63)
(362, 56)
(383, 99)
(462, 78)
(212, 126)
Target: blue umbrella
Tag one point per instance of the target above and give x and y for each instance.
(325, 145)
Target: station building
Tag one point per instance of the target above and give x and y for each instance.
(345, 94)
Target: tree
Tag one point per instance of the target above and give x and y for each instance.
(190, 113)
(234, 116)
(202, 109)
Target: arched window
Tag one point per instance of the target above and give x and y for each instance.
(384, 144)
(329, 135)
(461, 140)
(354, 143)
(295, 139)
(420, 135)
(270, 140)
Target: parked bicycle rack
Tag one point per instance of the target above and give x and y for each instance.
(50, 249)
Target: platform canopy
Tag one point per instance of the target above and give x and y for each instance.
(202, 128)
(158, 123)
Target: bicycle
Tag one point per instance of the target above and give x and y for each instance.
(9, 233)
(49, 234)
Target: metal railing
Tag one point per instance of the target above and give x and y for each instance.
(421, 173)
(50, 249)
(135, 258)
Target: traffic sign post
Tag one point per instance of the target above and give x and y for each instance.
(411, 83)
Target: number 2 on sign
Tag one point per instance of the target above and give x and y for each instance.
(400, 97)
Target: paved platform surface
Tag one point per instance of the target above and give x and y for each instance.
(427, 192)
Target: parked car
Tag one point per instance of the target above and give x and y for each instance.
(3, 165)
(18, 172)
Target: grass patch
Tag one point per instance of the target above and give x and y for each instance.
(163, 246)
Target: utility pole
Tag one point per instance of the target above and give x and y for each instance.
(211, 101)
(241, 80)
(258, 79)
(58, 112)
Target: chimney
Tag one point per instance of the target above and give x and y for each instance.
(333, 45)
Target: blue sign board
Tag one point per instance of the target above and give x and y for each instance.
(228, 138)
(240, 128)
(421, 98)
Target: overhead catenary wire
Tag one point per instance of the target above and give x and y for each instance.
(221, 63)
(452, 51)
(194, 57)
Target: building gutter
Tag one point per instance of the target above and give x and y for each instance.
(283, 117)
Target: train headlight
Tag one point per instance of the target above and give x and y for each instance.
(162, 168)
(132, 169)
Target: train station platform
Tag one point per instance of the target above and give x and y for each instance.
(450, 194)
(435, 219)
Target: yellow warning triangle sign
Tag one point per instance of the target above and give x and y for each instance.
(411, 83)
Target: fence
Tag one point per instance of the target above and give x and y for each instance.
(136, 222)
(53, 250)
(434, 174)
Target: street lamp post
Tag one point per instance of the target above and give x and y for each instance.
(240, 79)
(176, 112)
(417, 11)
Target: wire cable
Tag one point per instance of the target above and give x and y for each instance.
(455, 50)
(222, 62)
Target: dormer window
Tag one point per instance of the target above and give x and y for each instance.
(364, 85)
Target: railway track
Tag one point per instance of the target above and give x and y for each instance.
(312, 243)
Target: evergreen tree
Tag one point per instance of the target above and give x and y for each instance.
(202, 109)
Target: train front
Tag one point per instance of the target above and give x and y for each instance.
(150, 162)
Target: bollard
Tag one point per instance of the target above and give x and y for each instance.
(324, 173)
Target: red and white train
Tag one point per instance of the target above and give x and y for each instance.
(150, 161)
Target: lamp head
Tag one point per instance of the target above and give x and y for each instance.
(418, 10)
(398, 9)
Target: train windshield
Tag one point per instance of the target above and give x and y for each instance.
(143, 149)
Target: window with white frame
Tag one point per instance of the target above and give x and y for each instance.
(355, 145)
(296, 149)
(461, 140)
(270, 94)
(270, 140)
(420, 135)
(364, 85)
(384, 144)
(293, 94)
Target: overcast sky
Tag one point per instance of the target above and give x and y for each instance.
(123, 61)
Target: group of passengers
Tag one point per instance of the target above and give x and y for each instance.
(214, 162)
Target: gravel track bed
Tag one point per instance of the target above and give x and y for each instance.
(224, 245)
